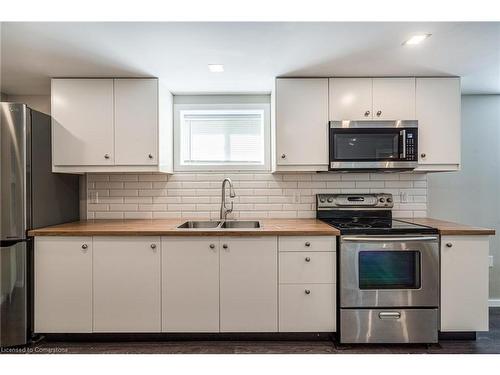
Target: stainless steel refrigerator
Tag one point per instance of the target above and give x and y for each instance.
(31, 197)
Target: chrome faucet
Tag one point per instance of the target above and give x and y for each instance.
(223, 209)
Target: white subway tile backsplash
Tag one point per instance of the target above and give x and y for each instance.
(258, 195)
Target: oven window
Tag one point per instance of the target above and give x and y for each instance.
(352, 146)
(389, 269)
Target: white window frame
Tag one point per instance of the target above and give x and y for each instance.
(266, 107)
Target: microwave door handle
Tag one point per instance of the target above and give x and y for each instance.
(387, 239)
(403, 135)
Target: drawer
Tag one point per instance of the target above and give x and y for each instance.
(307, 243)
(307, 308)
(388, 326)
(303, 267)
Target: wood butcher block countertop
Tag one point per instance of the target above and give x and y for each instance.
(450, 228)
(168, 227)
(269, 227)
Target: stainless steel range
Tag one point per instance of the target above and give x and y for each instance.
(389, 271)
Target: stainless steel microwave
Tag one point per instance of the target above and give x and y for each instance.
(373, 145)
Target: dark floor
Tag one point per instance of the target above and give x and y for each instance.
(487, 342)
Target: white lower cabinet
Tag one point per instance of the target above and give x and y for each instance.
(183, 284)
(464, 283)
(248, 284)
(307, 308)
(190, 284)
(126, 284)
(307, 284)
(63, 284)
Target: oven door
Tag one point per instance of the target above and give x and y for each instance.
(389, 271)
(373, 145)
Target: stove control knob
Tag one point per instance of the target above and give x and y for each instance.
(322, 200)
(389, 200)
(330, 200)
(381, 200)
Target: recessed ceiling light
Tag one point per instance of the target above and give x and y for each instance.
(216, 68)
(417, 39)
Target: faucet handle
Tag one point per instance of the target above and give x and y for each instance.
(231, 209)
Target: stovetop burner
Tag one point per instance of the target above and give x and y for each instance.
(364, 214)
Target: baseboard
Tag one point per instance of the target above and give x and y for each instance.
(494, 302)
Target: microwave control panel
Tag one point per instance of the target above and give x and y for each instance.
(410, 152)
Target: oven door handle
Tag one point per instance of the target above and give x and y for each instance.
(388, 239)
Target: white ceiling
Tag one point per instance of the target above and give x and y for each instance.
(252, 53)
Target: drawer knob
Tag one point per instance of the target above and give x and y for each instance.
(283, 156)
(224, 246)
(212, 246)
(85, 246)
(367, 113)
(379, 113)
(307, 291)
(308, 244)
(449, 244)
(106, 156)
(423, 155)
(308, 259)
(150, 156)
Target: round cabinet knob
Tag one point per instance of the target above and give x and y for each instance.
(307, 291)
(106, 156)
(150, 156)
(85, 246)
(153, 246)
(283, 156)
(224, 246)
(423, 155)
(449, 244)
(367, 113)
(212, 246)
(379, 113)
(308, 244)
(308, 259)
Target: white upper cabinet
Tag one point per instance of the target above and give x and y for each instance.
(301, 124)
(111, 125)
(394, 98)
(136, 121)
(439, 129)
(82, 122)
(351, 98)
(372, 98)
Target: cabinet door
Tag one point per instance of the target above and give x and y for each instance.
(438, 115)
(302, 121)
(394, 98)
(127, 284)
(63, 284)
(136, 121)
(190, 284)
(464, 283)
(82, 122)
(307, 308)
(350, 98)
(248, 284)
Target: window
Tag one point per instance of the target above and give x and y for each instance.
(221, 137)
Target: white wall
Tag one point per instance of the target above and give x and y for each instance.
(472, 195)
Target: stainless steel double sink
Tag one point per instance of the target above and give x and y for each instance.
(220, 224)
